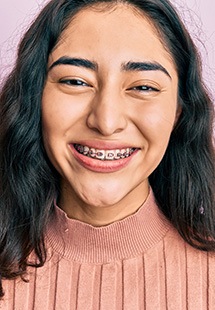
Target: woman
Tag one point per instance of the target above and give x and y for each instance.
(107, 163)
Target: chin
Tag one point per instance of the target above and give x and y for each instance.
(101, 200)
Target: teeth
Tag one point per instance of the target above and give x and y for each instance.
(122, 153)
(86, 150)
(110, 154)
(92, 152)
(104, 154)
(118, 154)
(100, 154)
(127, 154)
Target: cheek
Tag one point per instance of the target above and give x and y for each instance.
(58, 114)
(156, 123)
(54, 116)
(60, 109)
(53, 122)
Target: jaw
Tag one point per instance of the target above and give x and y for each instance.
(102, 205)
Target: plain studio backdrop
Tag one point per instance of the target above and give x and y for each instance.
(198, 15)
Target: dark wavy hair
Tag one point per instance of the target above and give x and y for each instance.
(183, 183)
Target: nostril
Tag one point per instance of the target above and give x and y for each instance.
(106, 119)
(105, 128)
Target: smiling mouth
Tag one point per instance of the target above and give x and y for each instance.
(104, 154)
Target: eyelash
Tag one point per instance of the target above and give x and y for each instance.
(73, 82)
(144, 88)
(77, 83)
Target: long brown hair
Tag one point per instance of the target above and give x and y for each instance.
(183, 183)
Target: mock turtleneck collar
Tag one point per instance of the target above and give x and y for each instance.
(126, 238)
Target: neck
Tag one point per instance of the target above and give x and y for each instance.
(101, 214)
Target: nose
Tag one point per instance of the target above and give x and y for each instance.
(107, 113)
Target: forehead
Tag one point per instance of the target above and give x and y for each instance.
(111, 33)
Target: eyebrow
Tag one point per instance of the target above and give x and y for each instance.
(144, 66)
(78, 62)
(129, 66)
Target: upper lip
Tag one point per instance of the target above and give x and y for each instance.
(104, 145)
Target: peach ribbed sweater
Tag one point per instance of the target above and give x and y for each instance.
(138, 263)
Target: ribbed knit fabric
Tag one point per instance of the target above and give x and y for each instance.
(137, 263)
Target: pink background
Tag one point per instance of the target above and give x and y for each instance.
(199, 16)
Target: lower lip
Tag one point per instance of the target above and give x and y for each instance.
(102, 166)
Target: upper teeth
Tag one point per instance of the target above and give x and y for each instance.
(104, 154)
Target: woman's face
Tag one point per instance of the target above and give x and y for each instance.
(109, 106)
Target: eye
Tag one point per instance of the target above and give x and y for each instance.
(73, 82)
(144, 88)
